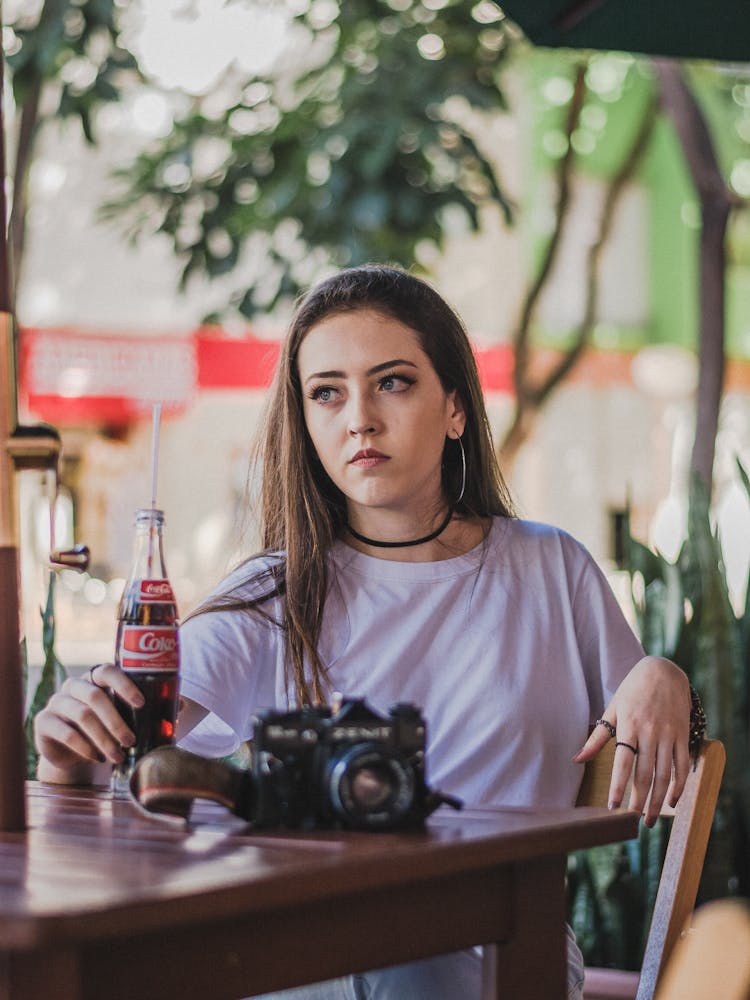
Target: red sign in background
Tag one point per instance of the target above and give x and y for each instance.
(72, 377)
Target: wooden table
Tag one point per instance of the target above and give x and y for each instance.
(97, 901)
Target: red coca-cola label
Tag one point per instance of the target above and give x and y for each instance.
(155, 592)
(149, 647)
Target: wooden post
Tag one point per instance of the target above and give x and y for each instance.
(12, 742)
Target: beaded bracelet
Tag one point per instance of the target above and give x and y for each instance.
(697, 723)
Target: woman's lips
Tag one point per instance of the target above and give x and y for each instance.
(369, 458)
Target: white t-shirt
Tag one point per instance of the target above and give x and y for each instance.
(511, 651)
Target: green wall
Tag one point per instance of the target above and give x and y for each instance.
(619, 88)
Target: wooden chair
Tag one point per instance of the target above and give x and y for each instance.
(714, 958)
(683, 864)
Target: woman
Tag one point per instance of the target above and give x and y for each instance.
(395, 570)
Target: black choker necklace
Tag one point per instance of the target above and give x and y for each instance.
(402, 545)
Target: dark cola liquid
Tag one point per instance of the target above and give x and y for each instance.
(147, 651)
(154, 724)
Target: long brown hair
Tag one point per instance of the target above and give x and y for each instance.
(302, 511)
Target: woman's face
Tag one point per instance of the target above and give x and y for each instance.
(377, 414)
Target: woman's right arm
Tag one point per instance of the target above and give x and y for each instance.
(80, 734)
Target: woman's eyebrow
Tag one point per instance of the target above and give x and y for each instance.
(325, 375)
(390, 364)
(370, 371)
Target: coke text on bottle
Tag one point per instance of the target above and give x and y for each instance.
(147, 644)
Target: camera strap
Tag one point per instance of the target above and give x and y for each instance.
(166, 781)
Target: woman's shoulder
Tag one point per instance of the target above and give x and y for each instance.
(534, 531)
(255, 577)
(539, 537)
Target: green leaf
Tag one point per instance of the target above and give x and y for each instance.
(624, 896)
(52, 675)
(745, 478)
(684, 611)
(639, 558)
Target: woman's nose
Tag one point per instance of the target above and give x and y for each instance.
(362, 420)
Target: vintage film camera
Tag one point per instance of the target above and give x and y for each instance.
(314, 768)
(342, 766)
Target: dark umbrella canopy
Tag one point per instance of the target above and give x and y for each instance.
(695, 29)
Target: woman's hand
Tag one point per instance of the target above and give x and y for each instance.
(80, 725)
(651, 713)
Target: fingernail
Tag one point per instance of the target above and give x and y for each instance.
(117, 756)
(128, 740)
(612, 804)
(576, 756)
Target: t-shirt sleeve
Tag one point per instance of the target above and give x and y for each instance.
(228, 661)
(607, 644)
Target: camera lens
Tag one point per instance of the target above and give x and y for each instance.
(370, 787)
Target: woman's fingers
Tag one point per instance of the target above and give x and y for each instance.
(107, 675)
(80, 722)
(644, 763)
(681, 759)
(658, 769)
(658, 773)
(651, 709)
(622, 772)
(94, 711)
(60, 742)
(662, 777)
(85, 728)
(597, 740)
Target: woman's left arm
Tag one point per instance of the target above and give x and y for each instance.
(650, 712)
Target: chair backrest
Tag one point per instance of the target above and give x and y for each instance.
(686, 850)
(714, 959)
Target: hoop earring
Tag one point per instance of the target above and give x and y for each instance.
(460, 496)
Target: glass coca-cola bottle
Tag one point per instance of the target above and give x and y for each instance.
(147, 647)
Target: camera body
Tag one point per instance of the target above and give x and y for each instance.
(345, 766)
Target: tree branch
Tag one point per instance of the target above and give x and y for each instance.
(530, 397)
(716, 203)
(50, 17)
(522, 334)
(27, 131)
(612, 199)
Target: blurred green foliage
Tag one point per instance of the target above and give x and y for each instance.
(371, 138)
(52, 675)
(684, 612)
(353, 153)
(76, 47)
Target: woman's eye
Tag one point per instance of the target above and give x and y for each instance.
(323, 393)
(395, 383)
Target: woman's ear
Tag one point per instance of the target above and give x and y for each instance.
(456, 415)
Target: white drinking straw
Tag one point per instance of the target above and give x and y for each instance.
(155, 427)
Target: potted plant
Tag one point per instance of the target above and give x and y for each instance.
(683, 611)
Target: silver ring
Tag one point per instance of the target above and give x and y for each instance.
(608, 726)
(91, 676)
